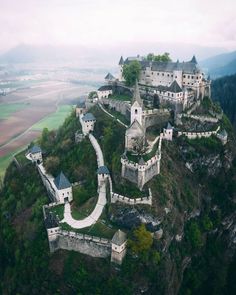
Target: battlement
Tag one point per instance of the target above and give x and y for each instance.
(119, 198)
(193, 135)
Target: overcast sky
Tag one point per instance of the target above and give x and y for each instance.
(104, 22)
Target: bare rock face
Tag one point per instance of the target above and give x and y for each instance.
(130, 217)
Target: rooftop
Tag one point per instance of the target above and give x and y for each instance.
(61, 182)
(119, 238)
(88, 117)
(105, 88)
(35, 149)
(109, 76)
(170, 66)
(103, 170)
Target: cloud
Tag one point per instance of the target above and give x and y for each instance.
(105, 23)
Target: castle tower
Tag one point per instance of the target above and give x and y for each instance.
(137, 106)
(121, 64)
(118, 247)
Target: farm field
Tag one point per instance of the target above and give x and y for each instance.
(7, 109)
(25, 113)
(53, 121)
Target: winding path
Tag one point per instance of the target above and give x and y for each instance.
(96, 213)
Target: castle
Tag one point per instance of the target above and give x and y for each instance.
(176, 83)
(173, 82)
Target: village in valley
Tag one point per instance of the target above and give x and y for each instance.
(167, 101)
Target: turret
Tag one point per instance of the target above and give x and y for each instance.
(137, 106)
(121, 64)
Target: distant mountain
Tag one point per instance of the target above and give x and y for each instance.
(104, 54)
(220, 65)
(224, 91)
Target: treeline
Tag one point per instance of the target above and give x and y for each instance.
(224, 91)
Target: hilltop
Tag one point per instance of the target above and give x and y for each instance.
(200, 212)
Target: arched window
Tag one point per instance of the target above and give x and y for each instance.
(136, 111)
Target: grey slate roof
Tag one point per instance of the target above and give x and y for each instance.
(121, 62)
(35, 149)
(223, 133)
(103, 170)
(61, 181)
(169, 126)
(141, 161)
(187, 67)
(109, 76)
(194, 60)
(119, 238)
(105, 88)
(88, 117)
(174, 87)
(136, 94)
(51, 221)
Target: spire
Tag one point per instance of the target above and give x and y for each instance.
(194, 60)
(121, 62)
(136, 95)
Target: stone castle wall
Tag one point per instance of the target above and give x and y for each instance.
(141, 174)
(122, 107)
(154, 117)
(85, 244)
(193, 135)
(135, 201)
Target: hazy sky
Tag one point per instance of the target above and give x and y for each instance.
(104, 22)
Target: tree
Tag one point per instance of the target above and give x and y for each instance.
(52, 165)
(131, 72)
(165, 57)
(141, 240)
(139, 145)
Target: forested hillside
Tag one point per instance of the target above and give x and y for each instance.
(224, 92)
(201, 211)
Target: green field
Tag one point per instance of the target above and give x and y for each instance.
(53, 121)
(8, 109)
(5, 160)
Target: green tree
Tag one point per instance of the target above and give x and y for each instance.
(52, 165)
(131, 72)
(141, 240)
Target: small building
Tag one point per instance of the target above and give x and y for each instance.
(223, 136)
(80, 108)
(64, 189)
(89, 121)
(109, 78)
(103, 173)
(104, 91)
(118, 247)
(168, 132)
(52, 226)
(35, 154)
(134, 137)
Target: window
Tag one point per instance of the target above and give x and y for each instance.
(168, 94)
(188, 77)
(192, 77)
(171, 75)
(136, 111)
(162, 74)
(172, 95)
(175, 77)
(184, 76)
(158, 74)
(168, 75)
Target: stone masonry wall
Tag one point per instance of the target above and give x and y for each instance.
(85, 244)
